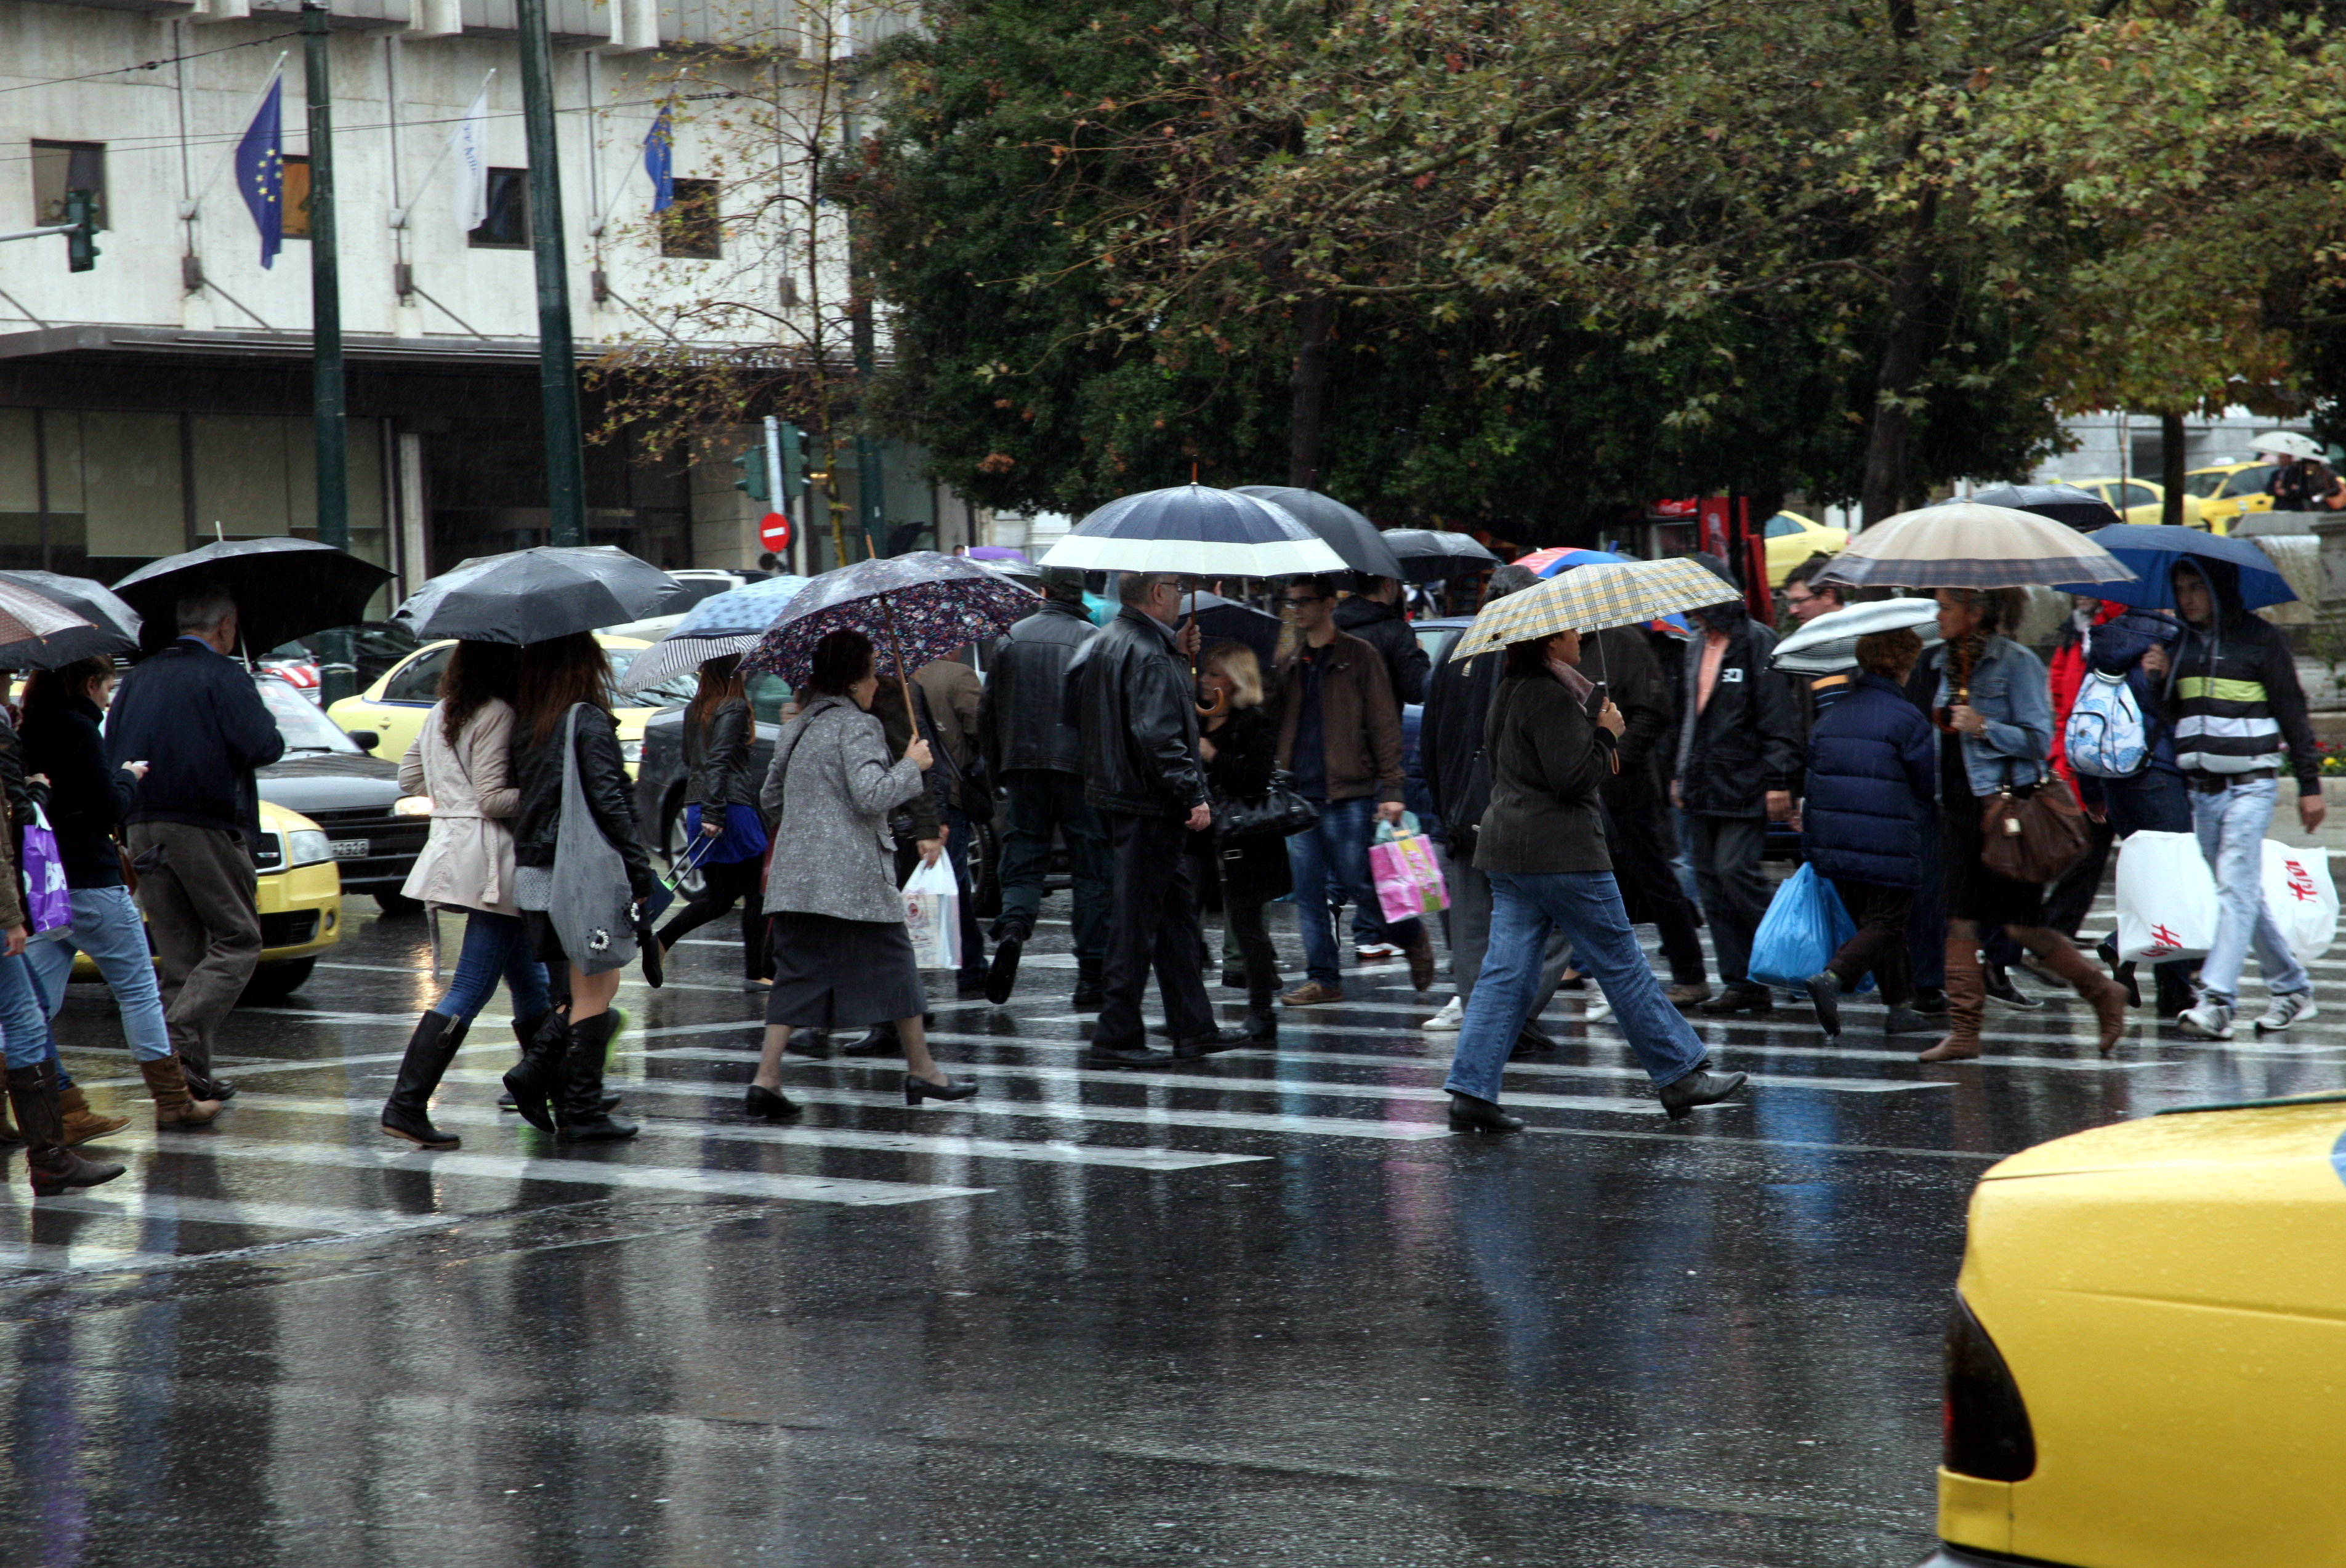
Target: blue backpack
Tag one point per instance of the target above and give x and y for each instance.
(2105, 737)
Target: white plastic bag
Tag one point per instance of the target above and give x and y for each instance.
(2166, 899)
(932, 914)
(2302, 896)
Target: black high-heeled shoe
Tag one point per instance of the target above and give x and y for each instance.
(769, 1104)
(919, 1089)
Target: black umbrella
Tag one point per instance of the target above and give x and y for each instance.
(1348, 533)
(1197, 530)
(113, 626)
(534, 595)
(1435, 555)
(284, 588)
(2080, 509)
(1221, 620)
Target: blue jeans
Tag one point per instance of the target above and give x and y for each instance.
(106, 925)
(2231, 826)
(495, 949)
(1587, 907)
(1333, 857)
(23, 1027)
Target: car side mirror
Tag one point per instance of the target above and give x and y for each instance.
(366, 740)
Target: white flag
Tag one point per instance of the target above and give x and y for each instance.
(470, 146)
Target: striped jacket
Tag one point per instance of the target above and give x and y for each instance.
(2235, 704)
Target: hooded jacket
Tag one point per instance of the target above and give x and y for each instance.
(2232, 695)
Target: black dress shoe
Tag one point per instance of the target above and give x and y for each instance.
(1469, 1114)
(1931, 1001)
(919, 1089)
(1235, 978)
(1002, 975)
(2107, 952)
(1207, 1045)
(1699, 1087)
(769, 1104)
(205, 1087)
(811, 1042)
(1530, 1038)
(1261, 1023)
(881, 1040)
(970, 988)
(1741, 997)
(2000, 987)
(1126, 1056)
(1824, 996)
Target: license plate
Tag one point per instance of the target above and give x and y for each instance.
(349, 849)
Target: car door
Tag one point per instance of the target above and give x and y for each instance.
(395, 709)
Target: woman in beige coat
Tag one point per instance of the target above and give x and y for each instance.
(462, 763)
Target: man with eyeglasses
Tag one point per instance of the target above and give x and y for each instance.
(1340, 735)
(1805, 596)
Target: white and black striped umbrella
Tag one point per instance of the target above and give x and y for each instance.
(1197, 530)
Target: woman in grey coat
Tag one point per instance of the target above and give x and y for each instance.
(843, 957)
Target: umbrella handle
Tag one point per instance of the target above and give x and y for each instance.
(895, 647)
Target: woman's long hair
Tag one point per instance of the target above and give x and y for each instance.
(475, 673)
(840, 659)
(559, 674)
(57, 687)
(1237, 661)
(721, 680)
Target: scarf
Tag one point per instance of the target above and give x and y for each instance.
(1582, 689)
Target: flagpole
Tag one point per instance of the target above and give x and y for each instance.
(336, 673)
(557, 365)
(195, 204)
(415, 192)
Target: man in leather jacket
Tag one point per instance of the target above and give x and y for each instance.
(1135, 706)
(1037, 754)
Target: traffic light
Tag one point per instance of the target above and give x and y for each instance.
(794, 463)
(752, 464)
(81, 243)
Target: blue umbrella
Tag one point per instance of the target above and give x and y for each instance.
(2152, 550)
(748, 608)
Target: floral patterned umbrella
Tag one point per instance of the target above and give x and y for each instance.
(914, 608)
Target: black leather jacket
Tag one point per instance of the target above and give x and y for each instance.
(537, 769)
(1019, 724)
(1138, 712)
(717, 770)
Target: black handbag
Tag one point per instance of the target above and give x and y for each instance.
(1279, 811)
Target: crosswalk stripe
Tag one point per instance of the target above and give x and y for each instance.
(165, 1207)
(945, 1145)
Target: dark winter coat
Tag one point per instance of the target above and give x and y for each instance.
(1384, 629)
(89, 797)
(1450, 746)
(1746, 741)
(1019, 720)
(2116, 647)
(192, 716)
(717, 765)
(602, 778)
(1246, 750)
(1138, 708)
(1545, 764)
(1873, 769)
(1623, 660)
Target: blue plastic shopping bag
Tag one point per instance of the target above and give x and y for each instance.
(1805, 924)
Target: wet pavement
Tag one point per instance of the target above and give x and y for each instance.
(1262, 1309)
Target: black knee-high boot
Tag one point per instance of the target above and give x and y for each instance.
(537, 1078)
(583, 1116)
(429, 1051)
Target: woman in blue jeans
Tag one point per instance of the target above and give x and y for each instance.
(63, 711)
(462, 761)
(1542, 844)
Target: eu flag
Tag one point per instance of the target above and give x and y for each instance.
(260, 171)
(660, 158)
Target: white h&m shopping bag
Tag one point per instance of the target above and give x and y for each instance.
(2166, 899)
(932, 915)
(2302, 896)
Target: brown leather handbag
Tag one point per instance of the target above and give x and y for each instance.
(2035, 836)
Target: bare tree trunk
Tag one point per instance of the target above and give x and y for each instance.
(1902, 367)
(1307, 386)
(2170, 468)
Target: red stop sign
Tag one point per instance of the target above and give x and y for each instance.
(774, 531)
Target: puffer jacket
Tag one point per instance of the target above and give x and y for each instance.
(1384, 629)
(1872, 768)
(537, 772)
(1746, 740)
(1136, 705)
(717, 771)
(1019, 724)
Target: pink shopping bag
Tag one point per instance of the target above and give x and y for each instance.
(1407, 874)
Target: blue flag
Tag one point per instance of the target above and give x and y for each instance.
(260, 172)
(660, 159)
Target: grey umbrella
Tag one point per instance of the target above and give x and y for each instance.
(534, 595)
(1348, 533)
(1434, 555)
(113, 626)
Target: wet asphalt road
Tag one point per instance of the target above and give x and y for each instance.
(1259, 1311)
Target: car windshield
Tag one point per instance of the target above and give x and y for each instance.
(2203, 485)
(667, 693)
(2250, 480)
(299, 722)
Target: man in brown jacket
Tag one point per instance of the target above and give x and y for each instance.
(1340, 735)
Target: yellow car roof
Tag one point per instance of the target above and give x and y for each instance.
(2235, 1139)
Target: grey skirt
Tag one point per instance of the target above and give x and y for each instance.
(834, 974)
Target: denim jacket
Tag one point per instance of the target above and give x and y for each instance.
(2010, 692)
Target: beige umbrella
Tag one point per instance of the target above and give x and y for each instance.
(1591, 598)
(1963, 545)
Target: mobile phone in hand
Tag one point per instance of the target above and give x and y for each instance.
(1597, 700)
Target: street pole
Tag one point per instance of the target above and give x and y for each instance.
(557, 365)
(337, 676)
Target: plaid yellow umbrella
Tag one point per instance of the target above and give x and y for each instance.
(1591, 598)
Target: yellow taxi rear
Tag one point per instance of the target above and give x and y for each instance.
(298, 888)
(2146, 1365)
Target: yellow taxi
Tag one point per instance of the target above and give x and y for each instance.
(300, 892)
(2227, 491)
(2138, 500)
(1792, 539)
(2147, 1360)
(392, 709)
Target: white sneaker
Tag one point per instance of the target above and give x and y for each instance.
(2208, 1021)
(2294, 1007)
(1381, 952)
(1452, 1014)
(1598, 1012)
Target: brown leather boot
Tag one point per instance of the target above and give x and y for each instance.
(2107, 997)
(82, 1124)
(33, 1094)
(174, 1106)
(1966, 1001)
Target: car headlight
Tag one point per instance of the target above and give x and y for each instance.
(307, 847)
(412, 805)
(631, 751)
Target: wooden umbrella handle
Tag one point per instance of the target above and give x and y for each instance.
(896, 647)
